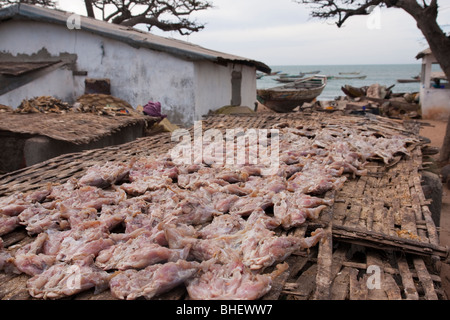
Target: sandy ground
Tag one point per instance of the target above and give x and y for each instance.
(436, 133)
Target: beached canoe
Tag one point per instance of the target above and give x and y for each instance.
(287, 97)
(346, 78)
(414, 79)
(285, 78)
(288, 79)
(311, 72)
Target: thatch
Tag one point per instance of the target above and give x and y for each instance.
(77, 128)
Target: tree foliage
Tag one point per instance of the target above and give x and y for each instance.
(167, 15)
(45, 3)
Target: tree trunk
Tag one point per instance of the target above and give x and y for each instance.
(439, 43)
(89, 8)
(444, 156)
(440, 46)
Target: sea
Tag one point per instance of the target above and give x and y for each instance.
(386, 75)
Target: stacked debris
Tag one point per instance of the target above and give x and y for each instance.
(376, 99)
(103, 104)
(100, 104)
(4, 108)
(43, 104)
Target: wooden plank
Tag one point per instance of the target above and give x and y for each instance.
(391, 288)
(408, 223)
(382, 241)
(366, 212)
(378, 217)
(278, 284)
(425, 279)
(339, 212)
(431, 227)
(324, 261)
(418, 212)
(376, 291)
(352, 216)
(15, 288)
(341, 285)
(408, 283)
(358, 287)
(303, 287)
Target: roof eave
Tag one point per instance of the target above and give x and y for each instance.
(92, 25)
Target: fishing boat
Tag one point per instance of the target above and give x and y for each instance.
(413, 79)
(311, 72)
(345, 78)
(288, 79)
(349, 73)
(285, 78)
(287, 97)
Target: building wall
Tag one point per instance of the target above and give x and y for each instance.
(435, 102)
(214, 86)
(58, 83)
(137, 75)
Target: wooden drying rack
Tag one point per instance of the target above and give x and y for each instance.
(381, 219)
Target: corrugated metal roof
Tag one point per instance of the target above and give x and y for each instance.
(131, 36)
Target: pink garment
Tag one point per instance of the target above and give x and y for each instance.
(153, 109)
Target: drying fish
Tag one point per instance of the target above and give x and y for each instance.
(230, 282)
(32, 259)
(63, 280)
(103, 176)
(293, 209)
(8, 224)
(214, 228)
(153, 280)
(138, 252)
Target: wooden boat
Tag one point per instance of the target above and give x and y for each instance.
(311, 72)
(349, 72)
(288, 79)
(354, 92)
(345, 78)
(414, 79)
(287, 97)
(285, 78)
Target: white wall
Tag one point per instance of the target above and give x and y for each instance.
(435, 103)
(213, 86)
(137, 75)
(58, 83)
(249, 86)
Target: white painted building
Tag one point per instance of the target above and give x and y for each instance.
(41, 53)
(434, 89)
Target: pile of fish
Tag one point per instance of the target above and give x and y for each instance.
(144, 227)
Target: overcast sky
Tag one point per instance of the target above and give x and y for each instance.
(281, 32)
